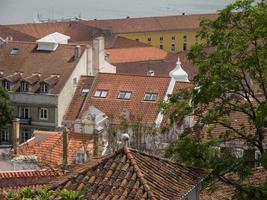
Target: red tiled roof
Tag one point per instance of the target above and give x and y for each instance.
(258, 178)
(48, 147)
(116, 42)
(29, 178)
(161, 66)
(124, 55)
(136, 106)
(28, 61)
(11, 34)
(78, 99)
(130, 174)
(150, 24)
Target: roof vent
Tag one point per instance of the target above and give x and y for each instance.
(151, 72)
(178, 73)
(14, 51)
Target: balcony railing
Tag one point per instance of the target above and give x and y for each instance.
(27, 121)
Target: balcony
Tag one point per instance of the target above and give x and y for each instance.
(27, 121)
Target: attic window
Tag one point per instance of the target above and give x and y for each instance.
(44, 88)
(24, 86)
(6, 85)
(80, 157)
(150, 96)
(101, 93)
(14, 51)
(124, 95)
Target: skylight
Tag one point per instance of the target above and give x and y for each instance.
(85, 90)
(101, 93)
(150, 96)
(124, 95)
(14, 51)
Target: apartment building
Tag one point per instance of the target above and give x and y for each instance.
(42, 76)
(171, 33)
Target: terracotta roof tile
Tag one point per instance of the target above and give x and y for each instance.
(135, 107)
(130, 174)
(150, 24)
(48, 147)
(28, 61)
(79, 97)
(6, 32)
(29, 178)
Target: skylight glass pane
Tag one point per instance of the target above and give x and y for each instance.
(104, 93)
(127, 95)
(85, 90)
(97, 93)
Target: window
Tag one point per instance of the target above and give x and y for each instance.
(4, 136)
(14, 51)
(150, 96)
(25, 135)
(43, 113)
(161, 46)
(44, 88)
(101, 93)
(238, 153)
(124, 95)
(185, 38)
(173, 48)
(161, 38)
(137, 39)
(6, 85)
(149, 39)
(185, 47)
(24, 87)
(24, 113)
(257, 158)
(85, 90)
(173, 38)
(80, 157)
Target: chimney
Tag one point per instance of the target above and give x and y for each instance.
(77, 52)
(96, 143)
(16, 133)
(65, 147)
(183, 13)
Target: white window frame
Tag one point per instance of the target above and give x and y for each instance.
(161, 38)
(149, 39)
(150, 96)
(101, 93)
(44, 88)
(6, 84)
(80, 157)
(22, 112)
(4, 132)
(24, 86)
(238, 152)
(25, 131)
(125, 95)
(161, 46)
(42, 113)
(173, 38)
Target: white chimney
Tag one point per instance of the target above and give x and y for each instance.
(77, 52)
(178, 74)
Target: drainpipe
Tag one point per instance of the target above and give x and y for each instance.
(16, 131)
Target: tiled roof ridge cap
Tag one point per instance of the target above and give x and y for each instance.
(138, 172)
(27, 170)
(160, 158)
(139, 75)
(151, 17)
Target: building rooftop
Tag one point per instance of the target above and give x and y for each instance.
(130, 174)
(150, 24)
(10, 34)
(47, 146)
(22, 60)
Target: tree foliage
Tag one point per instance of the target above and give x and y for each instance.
(231, 83)
(5, 107)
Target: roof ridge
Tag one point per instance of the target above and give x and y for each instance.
(138, 172)
(139, 75)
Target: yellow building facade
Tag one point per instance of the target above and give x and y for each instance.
(172, 41)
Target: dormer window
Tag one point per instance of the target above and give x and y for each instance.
(24, 86)
(44, 88)
(101, 93)
(150, 96)
(14, 51)
(6, 85)
(124, 95)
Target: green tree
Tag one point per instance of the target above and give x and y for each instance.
(231, 79)
(5, 107)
